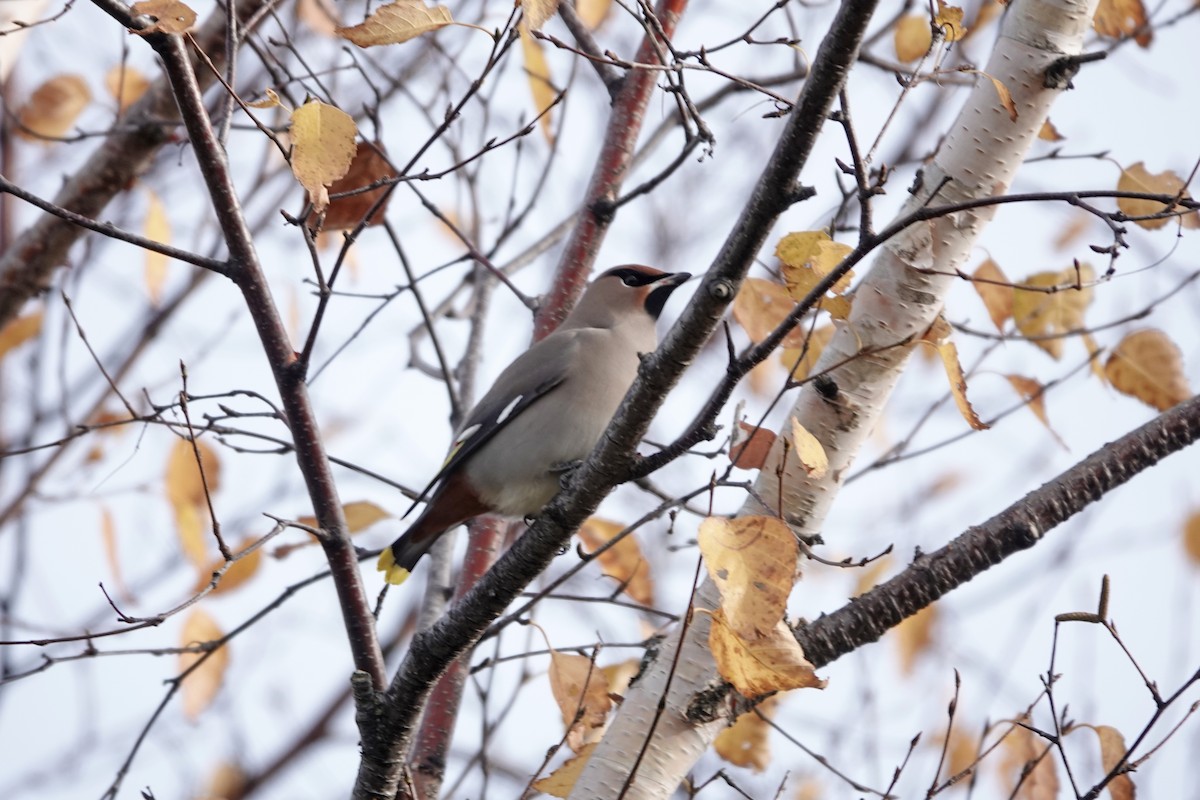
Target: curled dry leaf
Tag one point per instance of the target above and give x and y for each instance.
(322, 148)
(950, 20)
(995, 290)
(939, 336)
(201, 686)
(1029, 765)
(912, 37)
(750, 446)
(746, 742)
(581, 692)
(171, 16)
(1138, 179)
(397, 22)
(126, 85)
(53, 107)
(560, 782)
(19, 331)
(1033, 393)
(1112, 753)
(1053, 305)
(801, 360)
(752, 560)
(1118, 19)
(623, 561)
(1006, 98)
(1148, 365)
(757, 665)
(760, 306)
(537, 70)
(808, 451)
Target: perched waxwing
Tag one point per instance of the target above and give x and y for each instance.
(545, 412)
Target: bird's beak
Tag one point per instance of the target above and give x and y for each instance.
(667, 283)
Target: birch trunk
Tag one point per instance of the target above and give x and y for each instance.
(897, 301)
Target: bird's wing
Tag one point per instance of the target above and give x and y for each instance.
(533, 375)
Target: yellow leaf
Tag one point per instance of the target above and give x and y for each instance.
(995, 290)
(53, 107)
(1035, 399)
(838, 306)
(750, 446)
(19, 331)
(914, 636)
(962, 751)
(108, 535)
(752, 560)
(397, 22)
(1138, 179)
(360, 515)
(623, 561)
(158, 228)
(190, 528)
(581, 692)
(171, 16)
(801, 359)
(1117, 19)
(1112, 752)
(200, 687)
(126, 85)
(954, 373)
(185, 485)
(760, 306)
(809, 451)
(560, 782)
(1056, 309)
(950, 20)
(1029, 764)
(757, 665)
(593, 12)
(618, 676)
(808, 256)
(746, 742)
(1148, 365)
(238, 573)
(912, 37)
(871, 575)
(322, 148)
(1006, 99)
(538, 73)
(1049, 133)
(537, 12)
(1191, 537)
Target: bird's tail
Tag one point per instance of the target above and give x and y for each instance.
(451, 504)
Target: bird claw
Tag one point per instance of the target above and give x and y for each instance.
(565, 470)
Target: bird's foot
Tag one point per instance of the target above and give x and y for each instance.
(565, 470)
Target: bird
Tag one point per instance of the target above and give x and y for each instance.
(543, 415)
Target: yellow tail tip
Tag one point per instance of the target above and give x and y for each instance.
(393, 573)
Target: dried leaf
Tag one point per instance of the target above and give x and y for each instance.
(108, 535)
(623, 561)
(1112, 753)
(185, 486)
(270, 101)
(200, 687)
(746, 743)
(912, 37)
(1138, 179)
(1030, 763)
(801, 360)
(237, 575)
(171, 16)
(1035, 399)
(618, 676)
(593, 12)
(126, 85)
(1006, 98)
(870, 575)
(809, 451)
(560, 782)
(808, 256)
(1056, 311)
(950, 20)
(227, 782)
(158, 228)
(537, 12)
(939, 336)
(1148, 365)
(752, 560)
(581, 692)
(53, 107)
(322, 148)
(19, 331)
(760, 306)
(369, 165)
(193, 540)
(360, 515)
(915, 635)
(537, 70)
(320, 16)
(1191, 537)
(1049, 133)
(995, 290)
(397, 22)
(750, 446)
(1118, 19)
(760, 664)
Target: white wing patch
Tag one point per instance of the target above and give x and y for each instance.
(463, 438)
(508, 409)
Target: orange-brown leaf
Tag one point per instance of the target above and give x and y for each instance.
(201, 686)
(1112, 752)
(757, 665)
(126, 85)
(1049, 133)
(1147, 365)
(53, 107)
(915, 635)
(241, 571)
(19, 331)
(760, 306)
(171, 16)
(581, 692)
(750, 446)
(1139, 179)
(623, 561)
(912, 37)
(1029, 765)
(1191, 537)
(369, 165)
(560, 782)
(1117, 19)
(752, 560)
(746, 742)
(995, 290)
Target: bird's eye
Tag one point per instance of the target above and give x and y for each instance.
(629, 279)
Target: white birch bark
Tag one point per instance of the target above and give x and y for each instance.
(896, 302)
